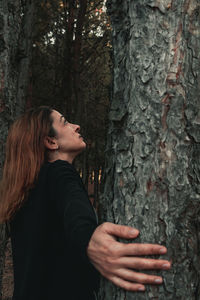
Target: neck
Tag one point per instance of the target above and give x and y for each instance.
(69, 157)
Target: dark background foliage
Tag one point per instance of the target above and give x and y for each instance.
(71, 71)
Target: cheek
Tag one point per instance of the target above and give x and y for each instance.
(70, 142)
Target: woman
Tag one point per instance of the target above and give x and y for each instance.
(53, 224)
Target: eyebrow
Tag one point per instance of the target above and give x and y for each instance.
(62, 117)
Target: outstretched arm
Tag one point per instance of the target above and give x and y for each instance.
(117, 261)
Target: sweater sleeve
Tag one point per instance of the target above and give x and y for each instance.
(73, 205)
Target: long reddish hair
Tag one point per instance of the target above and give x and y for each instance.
(25, 154)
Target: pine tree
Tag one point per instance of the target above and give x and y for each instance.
(153, 148)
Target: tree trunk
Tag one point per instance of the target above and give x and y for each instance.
(153, 146)
(78, 97)
(15, 47)
(67, 82)
(96, 175)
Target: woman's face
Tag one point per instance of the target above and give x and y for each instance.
(68, 139)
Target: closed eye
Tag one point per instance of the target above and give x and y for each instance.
(62, 119)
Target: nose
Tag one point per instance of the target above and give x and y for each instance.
(76, 127)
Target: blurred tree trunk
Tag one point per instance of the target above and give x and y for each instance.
(67, 82)
(79, 99)
(71, 90)
(153, 147)
(96, 175)
(16, 18)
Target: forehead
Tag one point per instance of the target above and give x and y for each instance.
(56, 116)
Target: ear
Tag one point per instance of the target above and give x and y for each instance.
(50, 143)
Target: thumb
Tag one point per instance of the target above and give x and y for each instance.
(122, 231)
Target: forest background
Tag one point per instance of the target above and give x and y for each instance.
(71, 71)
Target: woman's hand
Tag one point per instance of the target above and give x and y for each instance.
(118, 261)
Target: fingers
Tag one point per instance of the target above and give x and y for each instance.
(144, 263)
(127, 232)
(140, 249)
(129, 286)
(121, 231)
(136, 277)
(133, 281)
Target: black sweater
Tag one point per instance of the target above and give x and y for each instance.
(49, 237)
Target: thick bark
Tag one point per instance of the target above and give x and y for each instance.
(153, 148)
(15, 48)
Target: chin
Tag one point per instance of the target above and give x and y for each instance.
(82, 148)
(84, 145)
